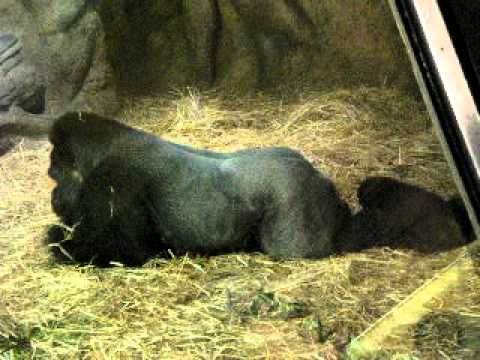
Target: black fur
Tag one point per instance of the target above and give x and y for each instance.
(405, 216)
(130, 195)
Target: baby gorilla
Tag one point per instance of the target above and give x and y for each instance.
(406, 216)
(129, 195)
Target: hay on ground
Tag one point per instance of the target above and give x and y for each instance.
(238, 306)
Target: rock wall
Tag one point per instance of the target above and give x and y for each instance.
(243, 45)
(52, 58)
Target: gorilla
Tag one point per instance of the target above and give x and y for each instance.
(401, 215)
(124, 195)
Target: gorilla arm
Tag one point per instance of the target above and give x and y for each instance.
(111, 218)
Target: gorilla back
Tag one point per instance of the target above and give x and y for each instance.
(129, 195)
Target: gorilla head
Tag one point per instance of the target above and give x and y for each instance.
(129, 195)
(401, 215)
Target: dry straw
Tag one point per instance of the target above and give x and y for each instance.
(238, 306)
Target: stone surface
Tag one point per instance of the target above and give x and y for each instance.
(56, 62)
(58, 55)
(244, 45)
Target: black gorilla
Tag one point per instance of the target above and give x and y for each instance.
(129, 195)
(405, 216)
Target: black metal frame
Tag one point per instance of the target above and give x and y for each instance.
(435, 59)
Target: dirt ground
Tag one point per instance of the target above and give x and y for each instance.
(238, 306)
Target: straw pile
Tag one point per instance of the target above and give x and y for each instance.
(238, 306)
